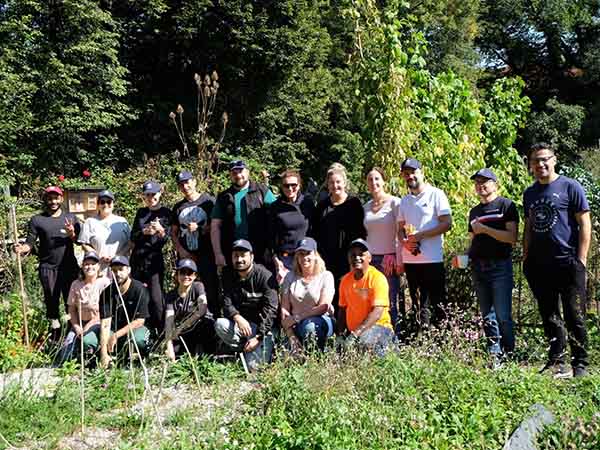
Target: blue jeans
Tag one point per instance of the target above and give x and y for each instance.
(394, 287)
(313, 328)
(493, 282)
(230, 334)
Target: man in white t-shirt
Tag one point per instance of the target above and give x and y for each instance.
(107, 234)
(424, 217)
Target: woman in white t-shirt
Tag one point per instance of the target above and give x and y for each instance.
(307, 293)
(381, 222)
(107, 234)
(83, 305)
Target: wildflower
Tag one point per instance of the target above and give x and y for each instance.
(197, 78)
(207, 80)
(86, 173)
(225, 118)
(206, 91)
(215, 75)
(61, 178)
(172, 115)
(179, 109)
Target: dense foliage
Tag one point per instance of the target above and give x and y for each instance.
(91, 84)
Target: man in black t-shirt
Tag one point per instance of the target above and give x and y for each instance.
(51, 235)
(493, 229)
(191, 233)
(123, 312)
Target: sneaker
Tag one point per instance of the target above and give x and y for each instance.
(580, 371)
(558, 370)
(496, 361)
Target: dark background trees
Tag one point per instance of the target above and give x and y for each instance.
(85, 84)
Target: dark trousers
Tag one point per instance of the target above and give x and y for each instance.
(154, 281)
(200, 340)
(553, 286)
(427, 286)
(56, 282)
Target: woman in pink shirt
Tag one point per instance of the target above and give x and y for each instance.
(84, 312)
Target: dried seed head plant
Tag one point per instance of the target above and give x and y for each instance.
(207, 148)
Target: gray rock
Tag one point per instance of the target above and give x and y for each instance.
(524, 437)
(37, 382)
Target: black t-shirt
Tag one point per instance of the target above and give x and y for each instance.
(147, 253)
(136, 301)
(494, 214)
(334, 227)
(289, 223)
(55, 247)
(199, 211)
(183, 307)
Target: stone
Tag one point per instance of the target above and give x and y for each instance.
(524, 437)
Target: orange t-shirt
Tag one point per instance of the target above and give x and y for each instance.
(359, 297)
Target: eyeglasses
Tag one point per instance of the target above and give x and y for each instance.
(542, 159)
(105, 202)
(290, 185)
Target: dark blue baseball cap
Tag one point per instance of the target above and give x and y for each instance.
(242, 244)
(151, 187)
(120, 261)
(186, 264)
(184, 175)
(106, 194)
(237, 164)
(91, 255)
(361, 243)
(485, 173)
(410, 163)
(307, 244)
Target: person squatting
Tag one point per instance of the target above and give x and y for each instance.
(253, 268)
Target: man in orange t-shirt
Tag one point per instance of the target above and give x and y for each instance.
(364, 302)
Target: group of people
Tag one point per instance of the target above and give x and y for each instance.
(251, 264)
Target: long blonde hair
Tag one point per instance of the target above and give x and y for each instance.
(318, 268)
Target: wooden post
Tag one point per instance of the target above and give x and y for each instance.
(15, 231)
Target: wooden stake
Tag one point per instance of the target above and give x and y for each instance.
(13, 219)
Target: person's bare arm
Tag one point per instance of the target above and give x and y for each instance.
(87, 248)
(585, 235)
(170, 333)
(441, 228)
(182, 252)
(508, 236)
(215, 239)
(371, 320)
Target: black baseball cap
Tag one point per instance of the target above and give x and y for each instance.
(242, 244)
(361, 243)
(485, 173)
(184, 175)
(120, 261)
(237, 164)
(91, 255)
(410, 163)
(106, 194)
(307, 244)
(186, 264)
(150, 187)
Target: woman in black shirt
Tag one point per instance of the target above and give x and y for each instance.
(151, 229)
(338, 220)
(188, 321)
(289, 220)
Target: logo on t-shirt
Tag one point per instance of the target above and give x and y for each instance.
(544, 215)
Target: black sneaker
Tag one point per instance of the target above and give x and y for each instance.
(559, 370)
(580, 371)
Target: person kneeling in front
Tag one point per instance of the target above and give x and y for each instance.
(123, 312)
(364, 303)
(189, 324)
(249, 305)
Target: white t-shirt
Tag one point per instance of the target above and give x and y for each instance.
(422, 212)
(108, 236)
(381, 226)
(304, 296)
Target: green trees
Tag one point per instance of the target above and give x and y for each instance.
(62, 86)
(440, 119)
